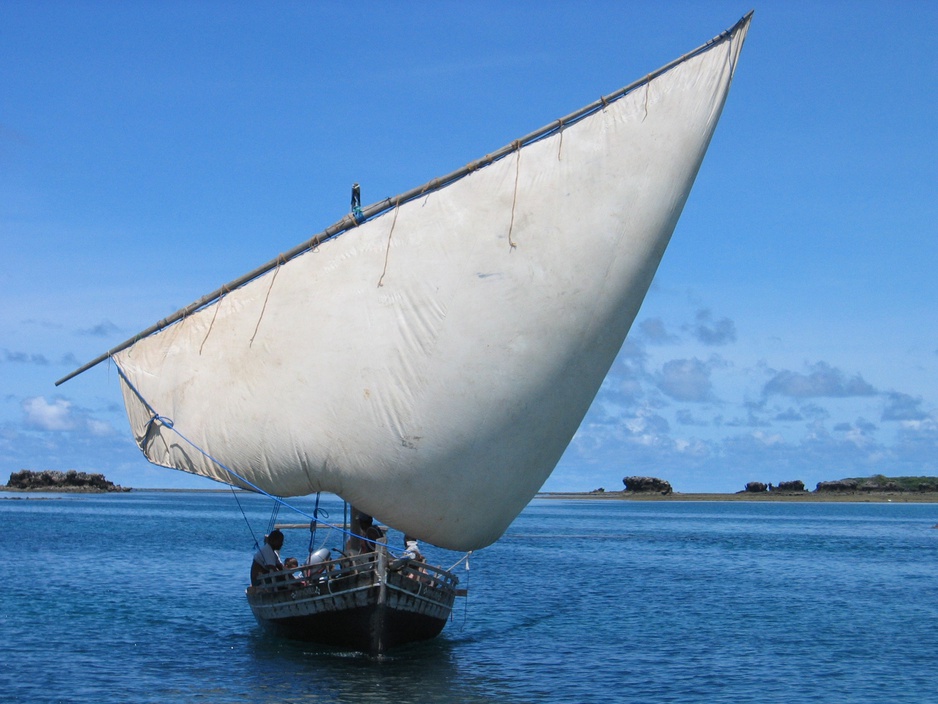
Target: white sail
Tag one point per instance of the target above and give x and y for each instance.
(431, 365)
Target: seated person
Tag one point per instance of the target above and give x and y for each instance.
(267, 559)
(412, 553)
(291, 563)
(411, 550)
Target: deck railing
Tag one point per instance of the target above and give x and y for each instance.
(355, 571)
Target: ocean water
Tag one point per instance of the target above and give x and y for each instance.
(139, 597)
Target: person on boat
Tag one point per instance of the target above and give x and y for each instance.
(267, 559)
(291, 563)
(373, 534)
(365, 535)
(411, 554)
(412, 550)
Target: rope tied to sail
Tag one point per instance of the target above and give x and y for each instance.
(646, 102)
(281, 260)
(560, 127)
(225, 292)
(387, 251)
(514, 198)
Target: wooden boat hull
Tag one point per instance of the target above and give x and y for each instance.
(362, 605)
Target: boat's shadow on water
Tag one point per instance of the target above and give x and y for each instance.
(419, 672)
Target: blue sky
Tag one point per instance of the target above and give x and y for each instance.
(152, 151)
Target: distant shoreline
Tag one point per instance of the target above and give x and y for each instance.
(122, 490)
(916, 497)
(58, 490)
(924, 497)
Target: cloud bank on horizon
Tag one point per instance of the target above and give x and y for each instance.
(688, 402)
(790, 331)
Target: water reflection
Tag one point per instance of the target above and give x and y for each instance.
(290, 671)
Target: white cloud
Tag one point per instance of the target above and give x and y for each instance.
(42, 415)
(768, 438)
(693, 448)
(100, 428)
(61, 415)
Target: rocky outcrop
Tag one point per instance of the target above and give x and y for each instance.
(52, 480)
(838, 486)
(642, 485)
(796, 485)
(880, 485)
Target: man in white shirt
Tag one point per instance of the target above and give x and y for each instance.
(267, 559)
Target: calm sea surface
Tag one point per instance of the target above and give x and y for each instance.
(139, 597)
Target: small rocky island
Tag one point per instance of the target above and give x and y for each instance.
(877, 484)
(645, 485)
(53, 480)
(875, 488)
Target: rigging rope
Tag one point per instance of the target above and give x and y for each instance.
(312, 527)
(266, 298)
(245, 516)
(514, 198)
(387, 252)
(465, 611)
(212, 324)
(273, 518)
(464, 558)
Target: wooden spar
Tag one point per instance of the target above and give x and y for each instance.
(352, 220)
